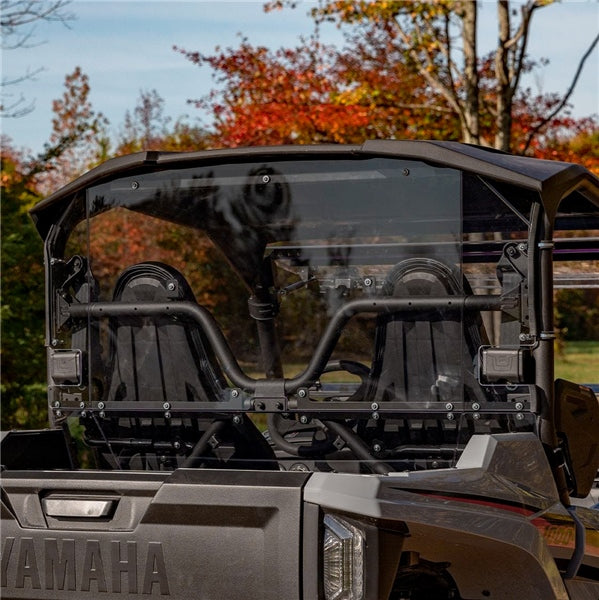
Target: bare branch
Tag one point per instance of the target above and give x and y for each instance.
(566, 96)
(17, 26)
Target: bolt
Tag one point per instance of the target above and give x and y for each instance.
(102, 414)
(176, 445)
(304, 419)
(237, 420)
(449, 406)
(134, 185)
(81, 404)
(265, 178)
(450, 416)
(519, 405)
(519, 416)
(101, 405)
(83, 414)
(406, 172)
(375, 416)
(302, 393)
(171, 287)
(377, 448)
(476, 416)
(167, 414)
(56, 404)
(374, 406)
(166, 405)
(234, 393)
(368, 282)
(55, 342)
(59, 413)
(522, 247)
(475, 406)
(53, 261)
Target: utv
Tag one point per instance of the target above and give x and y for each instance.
(310, 373)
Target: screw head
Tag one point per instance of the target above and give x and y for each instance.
(476, 416)
(519, 416)
(374, 406)
(368, 282)
(134, 185)
(102, 414)
(450, 416)
(237, 420)
(167, 414)
(449, 406)
(377, 448)
(475, 406)
(519, 405)
(166, 405)
(302, 393)
(234, 393)
(265, 178)
(171, 286)
(101, 405)
(375, 416)
(304, 419)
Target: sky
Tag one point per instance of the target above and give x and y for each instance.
(125, 47)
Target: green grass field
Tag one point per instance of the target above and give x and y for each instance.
(578, 362)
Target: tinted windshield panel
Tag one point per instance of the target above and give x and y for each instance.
(339, 204)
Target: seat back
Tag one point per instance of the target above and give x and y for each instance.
(166, 359)
(161, 359)
(428, 356)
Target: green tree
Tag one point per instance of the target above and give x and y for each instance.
(22, 301)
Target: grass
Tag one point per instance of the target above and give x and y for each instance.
(578, 362)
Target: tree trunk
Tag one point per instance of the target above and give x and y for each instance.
(470, 120)
(503, 119)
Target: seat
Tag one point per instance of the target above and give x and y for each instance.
(425, 357)
(165, 359)
(159, 359)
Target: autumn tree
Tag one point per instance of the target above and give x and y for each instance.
(79, 138)
(147, 127)
(409, 70)
(314, 94)
(439, 42)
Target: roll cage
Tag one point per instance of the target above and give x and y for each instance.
(440, 255)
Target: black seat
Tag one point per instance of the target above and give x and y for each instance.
(165, 359)
(424, 357)
(160, 359)
(430, 355)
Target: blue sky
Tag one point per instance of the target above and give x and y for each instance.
(126, 46)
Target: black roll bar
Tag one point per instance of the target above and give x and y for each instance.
(203, 317)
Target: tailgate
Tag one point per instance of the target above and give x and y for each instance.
(190, 534)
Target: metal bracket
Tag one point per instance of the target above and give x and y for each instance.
(270, 395)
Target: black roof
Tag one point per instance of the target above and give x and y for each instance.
(553, 180)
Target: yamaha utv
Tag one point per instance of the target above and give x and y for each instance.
(310, 373)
